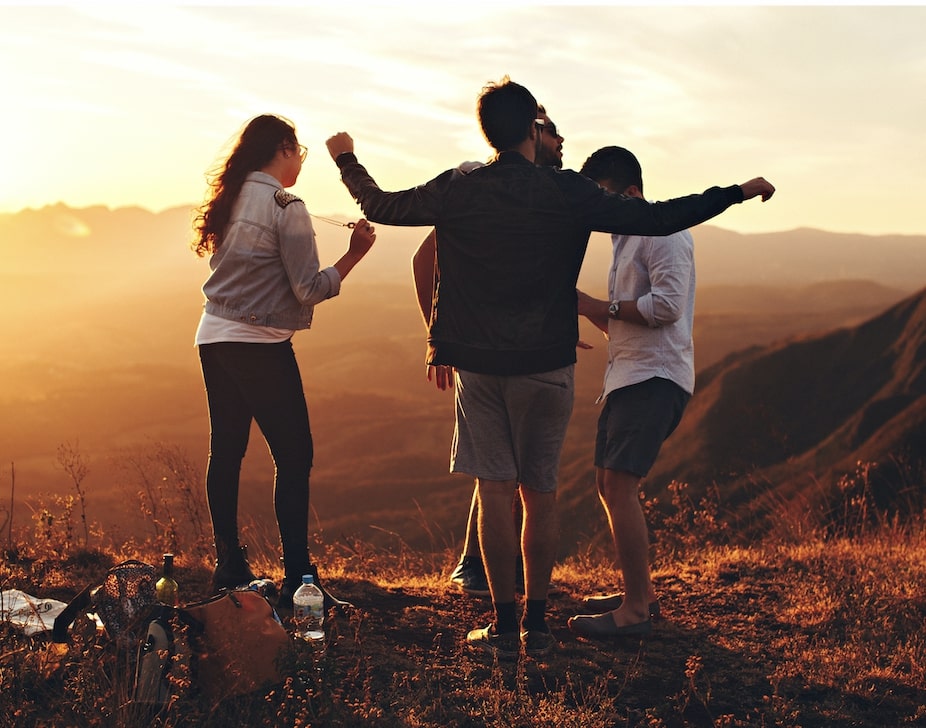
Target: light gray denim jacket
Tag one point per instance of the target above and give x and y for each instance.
(266, 271)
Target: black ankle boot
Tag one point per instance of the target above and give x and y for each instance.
(231, 567)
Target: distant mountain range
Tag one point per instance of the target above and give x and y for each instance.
(810, 352)
(56, 234)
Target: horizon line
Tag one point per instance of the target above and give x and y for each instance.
(193, 206)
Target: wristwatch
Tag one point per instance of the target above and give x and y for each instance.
(614, 310)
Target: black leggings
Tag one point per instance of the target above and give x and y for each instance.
(260, 382)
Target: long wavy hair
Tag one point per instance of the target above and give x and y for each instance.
(255, 148)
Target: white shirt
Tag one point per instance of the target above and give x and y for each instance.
(214, 329)
(659, 274)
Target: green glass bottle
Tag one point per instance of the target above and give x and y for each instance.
(166, 588)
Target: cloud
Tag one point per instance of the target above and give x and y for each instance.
(143, 97)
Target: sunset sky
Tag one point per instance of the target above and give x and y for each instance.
(120, 105)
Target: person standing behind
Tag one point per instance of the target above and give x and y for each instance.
(648, 381)
(469, 574)
(264, 283)
(511, 237)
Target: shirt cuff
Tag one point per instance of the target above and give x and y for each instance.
(334, 280)
(645, 307)
(345, 158)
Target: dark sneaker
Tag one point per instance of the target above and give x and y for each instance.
(470, 577)
(505, 646)
(537, 644)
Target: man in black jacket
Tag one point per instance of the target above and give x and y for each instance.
(469, 574)
(511, 237)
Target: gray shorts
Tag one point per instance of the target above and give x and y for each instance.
(512, 427)
(634, 422)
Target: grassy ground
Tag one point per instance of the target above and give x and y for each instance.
(817, 632)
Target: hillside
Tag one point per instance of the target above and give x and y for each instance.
(784, 423)
(812, 633)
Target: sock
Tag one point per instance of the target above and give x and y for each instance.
(506, 618)
(535, 617)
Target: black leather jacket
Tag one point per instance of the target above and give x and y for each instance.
(510, 241)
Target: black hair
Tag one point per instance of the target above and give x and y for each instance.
(615, 165)
(507, 111)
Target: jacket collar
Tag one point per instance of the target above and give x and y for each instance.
(512, 157)
(264, 178)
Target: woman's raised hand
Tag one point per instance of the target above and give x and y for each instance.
(362, 238)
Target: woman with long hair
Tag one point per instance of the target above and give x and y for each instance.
(264, 283)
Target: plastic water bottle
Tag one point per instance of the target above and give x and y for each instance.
(309, 611)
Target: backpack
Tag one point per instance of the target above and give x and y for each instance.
(125, 604)
(240, 644)
(123, 597)
(230, 644)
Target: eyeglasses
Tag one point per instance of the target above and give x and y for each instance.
(301, 149)
(547, 126)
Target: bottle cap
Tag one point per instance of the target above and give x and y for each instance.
(308, 579)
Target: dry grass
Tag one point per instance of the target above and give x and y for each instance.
(827, 631)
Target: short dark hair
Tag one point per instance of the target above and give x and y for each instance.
(506, 111)
(615, 165)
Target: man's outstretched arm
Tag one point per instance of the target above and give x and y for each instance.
(606, 212)
(412, 207)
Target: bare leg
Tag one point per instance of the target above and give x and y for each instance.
(599, 482)
(539, 540)
(471, 544)
(498, 537)
(619, 495)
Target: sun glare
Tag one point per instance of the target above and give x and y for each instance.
(72, 226)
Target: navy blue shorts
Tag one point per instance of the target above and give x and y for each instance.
(635, 421)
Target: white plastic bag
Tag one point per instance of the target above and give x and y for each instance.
(31, 614)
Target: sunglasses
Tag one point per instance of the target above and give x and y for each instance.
(547, 126)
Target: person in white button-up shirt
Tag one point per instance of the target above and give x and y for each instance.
(649, 379)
